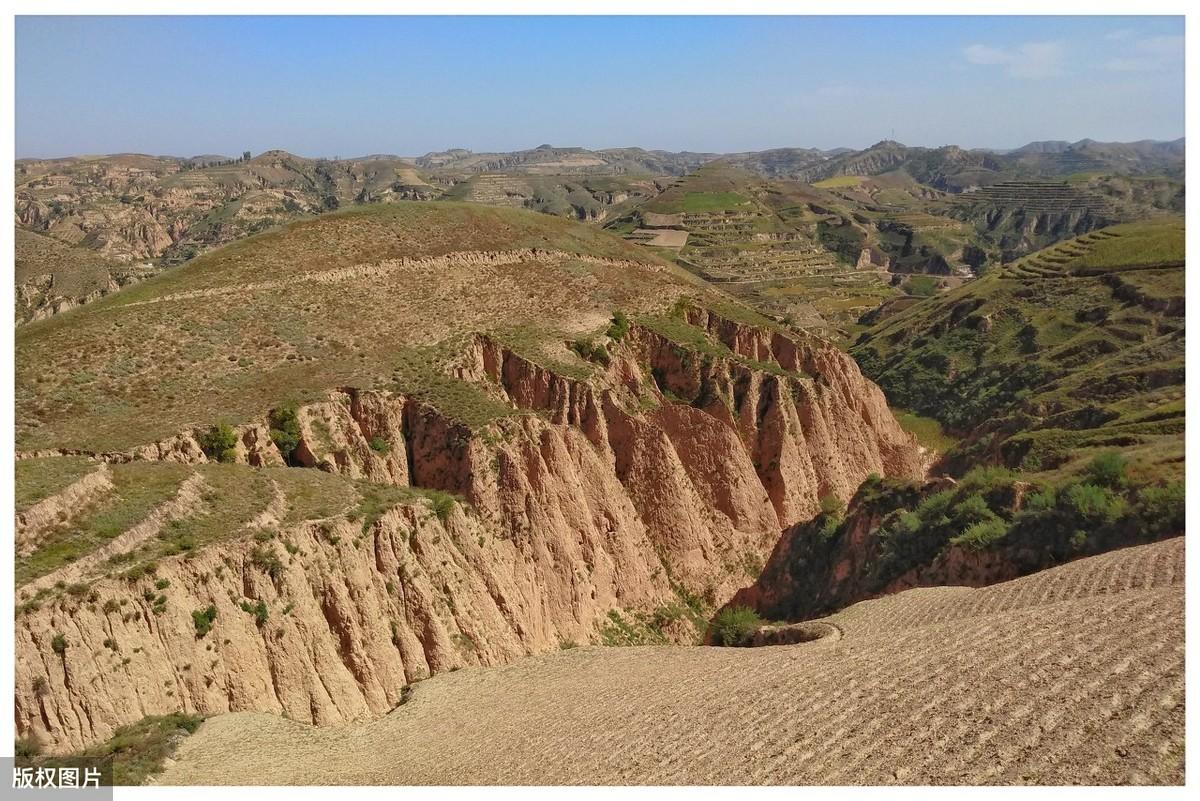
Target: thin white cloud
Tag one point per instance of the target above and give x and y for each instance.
(1149, 54)
(982, 54)
(1028, 60)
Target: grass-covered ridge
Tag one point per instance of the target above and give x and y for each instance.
(253, 326)
(228, 500)
(1040, 363)
(1037, 523)
(38, 479)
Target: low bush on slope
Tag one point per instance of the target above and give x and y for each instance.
(897, 534)
(135, 752)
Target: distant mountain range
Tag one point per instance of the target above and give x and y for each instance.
(949, 167)
(132, 207)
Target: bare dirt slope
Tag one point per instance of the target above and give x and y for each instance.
(1072, 675)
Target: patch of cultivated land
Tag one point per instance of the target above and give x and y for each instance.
(1071, 675)
(786, 249)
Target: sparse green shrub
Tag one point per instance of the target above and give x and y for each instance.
(629, 629)
(591, 351)
(139, 571)
(1160, 510)
(219, 442)
(914, 538)
(1108, 470)
(619, 326)
(203, 620)
(982, 534)
(138, 750)
(380, 446)
(681, 307)
(267, 560)
(734, 625)
(984, 478)
(664, 616)
(58, 644)
(971, 510)
(285, 431)
(878, 495)
(829, 528)
(832, 506)
(258, 610)
(832, 509)
(1092, 504)
(443, 504)
(162, 584)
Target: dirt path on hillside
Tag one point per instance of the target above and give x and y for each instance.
(1072, 675)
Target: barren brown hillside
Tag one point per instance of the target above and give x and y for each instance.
(1072, 675)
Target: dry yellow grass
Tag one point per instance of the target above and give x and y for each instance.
(1072, 675)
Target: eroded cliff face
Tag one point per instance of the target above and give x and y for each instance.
(1018, 231)
(39, 298)
(671, 470)
(349, 619)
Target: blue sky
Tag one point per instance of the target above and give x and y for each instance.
(345, 86)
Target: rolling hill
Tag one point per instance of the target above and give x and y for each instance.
(1075, 347)
(918, 210)
(307, 469)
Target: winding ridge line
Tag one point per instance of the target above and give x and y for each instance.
(472, 258)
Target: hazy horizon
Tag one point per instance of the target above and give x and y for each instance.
(356, 156)
(330, 86)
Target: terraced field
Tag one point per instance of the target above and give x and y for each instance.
(79, 520)
(1072, 675)
(1038, 196)
(1075, 347)
(1052, 262)
(791, 251)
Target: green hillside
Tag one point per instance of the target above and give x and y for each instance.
(1038, 364)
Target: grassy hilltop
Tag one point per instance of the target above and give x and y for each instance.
(322, 303)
